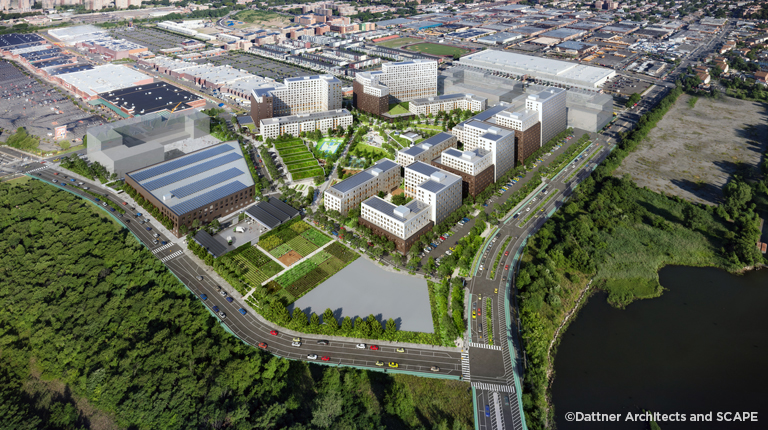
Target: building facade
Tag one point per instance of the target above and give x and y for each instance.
(499, 141)
(304, 94)
(527, 130)
(369, 95)
(475, 168)
(426, 150)
(401, 81)
(295, 124)
(550, 105)
(447, 103)
(438, 188)
(402, 225)
(349, 193)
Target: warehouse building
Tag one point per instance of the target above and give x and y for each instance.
(134, 143)
(203, 185)
(347, 194)
(88, 84)
(543, 69)
(150, 98)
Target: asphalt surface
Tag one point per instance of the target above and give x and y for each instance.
(250, 328)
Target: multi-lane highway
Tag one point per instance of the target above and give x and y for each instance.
(251, 327)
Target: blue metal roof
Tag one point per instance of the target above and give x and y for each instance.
(209, 197)
(208, 182)
(189, 172)
(180, 162)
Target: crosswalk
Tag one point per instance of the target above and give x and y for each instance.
(493, 387)
(166, 246)
(484, 346)
(35, 170)
(172, 256)
(497, 417)
(465, 365)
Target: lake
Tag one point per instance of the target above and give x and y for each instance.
(701, 347)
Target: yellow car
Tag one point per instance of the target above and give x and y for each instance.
(496, 291)
(453, 248)
(393, 364)
(473, 314)
(379, 363)
(400, 350)
(297, 339)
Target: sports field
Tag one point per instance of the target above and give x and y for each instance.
(436, 49)
(329, 145)
(396, 43)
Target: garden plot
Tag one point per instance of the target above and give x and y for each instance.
(313, 271)
(298, 160)
(254, 266)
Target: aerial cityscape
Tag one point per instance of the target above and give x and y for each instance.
(428, 214)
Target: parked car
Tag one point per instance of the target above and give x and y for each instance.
(230, 299)
(199, 278)
(263, 345)
(360, 346)
(379, 363)
(222, 315)
(203, 297)
(434, 369)
(326, 358)
(312, 357)
(295, 343)
(323, 342)
(223, 293)
(215, 308)
(374, 348)
(400, 350)
(393, 365)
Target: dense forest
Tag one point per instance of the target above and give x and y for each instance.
(617, 236)
(96, 333)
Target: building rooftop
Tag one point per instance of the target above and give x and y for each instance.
(428, 143)
(562, 33)
(348, 184)
(191, 181)
(414, 208)
(143, 99)
(306, 116)
(13, 39)
(213, 246)
(570, 44)
(68, 34)
(472, 156)
(447, 97)
(100, 79)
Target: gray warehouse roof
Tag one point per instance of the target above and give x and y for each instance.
(272, 213)
(210, 243)
(197, 179)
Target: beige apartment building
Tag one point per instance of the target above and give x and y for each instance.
(347, 194)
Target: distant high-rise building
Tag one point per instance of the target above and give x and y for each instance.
(304, 94)
(403, 81)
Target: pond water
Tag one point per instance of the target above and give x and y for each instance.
(701, 347)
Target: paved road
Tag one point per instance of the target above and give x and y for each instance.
(251, 328)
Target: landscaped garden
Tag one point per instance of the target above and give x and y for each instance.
(298, 159)
(398, 108)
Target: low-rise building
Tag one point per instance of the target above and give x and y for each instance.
(426, 150)
(295, 124)
(347, 194)
(447, 102)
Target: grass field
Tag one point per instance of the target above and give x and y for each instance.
(369, 148)
(396, 43)
(436, 49)
(398, 108)
(252, 16)
(309, 173)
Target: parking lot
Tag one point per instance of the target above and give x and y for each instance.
(152, 38)
(39, 107)
(257, 65)
(625, 85)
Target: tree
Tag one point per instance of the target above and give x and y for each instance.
(330, 320)
(397, 259)
(195, 224)
(215, 225)
(430, 266)
(413, 264)
(299, 318)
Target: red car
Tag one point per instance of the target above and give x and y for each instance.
(125, 204)
(506, 267)
(479, 313)
(262, 345)
(506, 253)
(374, 348)
(326, 358)
(273, 332)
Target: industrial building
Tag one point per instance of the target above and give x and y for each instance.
(347, 194)
(134, 143)
(295, 124)
(403, 81)
(88, 84)
(447, 102)
(203, 185)
(543, 69)
(150, 98)
(500, 38)
(300, 95)
(426, 150)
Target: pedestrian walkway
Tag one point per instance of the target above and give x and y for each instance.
(493, 387)
(484, 346)
(35, 170)
(465, 366)
(166, 246)
(172, 256)
(497, 417)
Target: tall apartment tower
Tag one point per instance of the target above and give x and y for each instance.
(499, 141)
(550, 105)
(527, 128)
(396, 82)
(304, 94)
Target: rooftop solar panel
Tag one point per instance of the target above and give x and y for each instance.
(210, 243)
(423, 168)
(274, 211)
(209, 197)
(208, 182)
(288, 209)
(262, 216)
(432, 186)
(189, 172)
(180, 162)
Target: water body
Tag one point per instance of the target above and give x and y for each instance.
(701, 347)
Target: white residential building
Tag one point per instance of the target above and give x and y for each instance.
(499, 141)
(295, 124)
(347, 194)
(435, 187)
(304, 94)
(521, 120)
(471, 162)
(404, 81)
(550, 105)
(447, 102)
(401, 221)
(427, 150)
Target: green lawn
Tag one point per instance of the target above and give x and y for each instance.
(362, 149)
(437, 49)
(396, 43)
(398, 108)
(257, 16)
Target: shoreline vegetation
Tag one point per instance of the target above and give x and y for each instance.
(98, 333)
(617, 236)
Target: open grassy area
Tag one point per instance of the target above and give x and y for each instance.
(396, 43)
(260, 16)
(398, 108)
(361, 150)
(437, 49)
